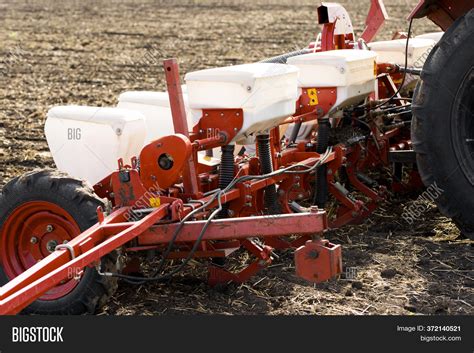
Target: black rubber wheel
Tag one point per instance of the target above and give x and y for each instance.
(443, 123)
(70, 205)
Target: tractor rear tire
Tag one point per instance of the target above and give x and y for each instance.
(443, 123)
(38, 211)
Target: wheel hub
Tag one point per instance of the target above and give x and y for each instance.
(31, 233)
(51, 245)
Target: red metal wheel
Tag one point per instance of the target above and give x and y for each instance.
(32, 232)
(38, 211)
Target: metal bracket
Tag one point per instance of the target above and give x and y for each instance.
(68, 247)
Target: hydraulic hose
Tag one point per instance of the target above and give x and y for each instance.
(295, 132)
(281, 59)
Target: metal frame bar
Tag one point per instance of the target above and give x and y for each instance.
(92, 244)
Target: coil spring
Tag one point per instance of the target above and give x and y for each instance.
(226, 173)
(321, 190)
(270, 198)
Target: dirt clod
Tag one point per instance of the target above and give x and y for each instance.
(389, 273)
(411, 308)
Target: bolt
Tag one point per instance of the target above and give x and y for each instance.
(230, 213)
(281, 192)
(300, 196)
(222, 114)
(249, 88)
(330, 171)
(314, 209)
(65, 242)
(51, 245)
(33, 240)
(49, 228)
(118, 131)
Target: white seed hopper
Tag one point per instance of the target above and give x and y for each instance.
(265, 92)
(352, 72)
(393, 51)
(86, 142)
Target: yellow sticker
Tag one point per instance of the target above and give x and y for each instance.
(313, 96)
(208, 158)
(155, 202)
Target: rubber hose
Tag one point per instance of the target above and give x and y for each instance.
(295, 132)
(281, 59)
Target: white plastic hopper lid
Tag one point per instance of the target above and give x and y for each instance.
(245, 74)
(149, 97)
(436, 36)
(332, 57)
(399, 44)
(115, 117)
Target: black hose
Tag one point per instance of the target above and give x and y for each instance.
(295, 132)
(281, 59)
(270, 197)
(321, 188)
(394, 96)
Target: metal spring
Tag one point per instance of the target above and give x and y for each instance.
(270, 197)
